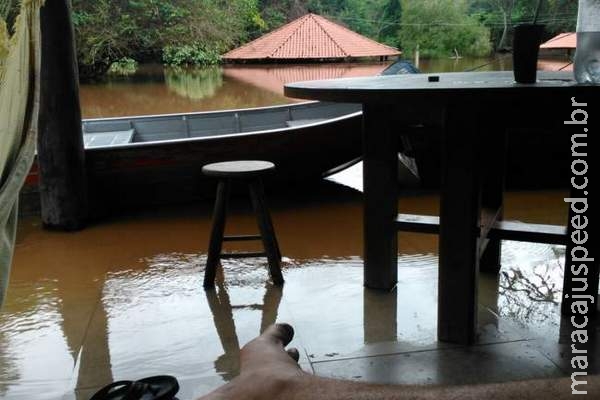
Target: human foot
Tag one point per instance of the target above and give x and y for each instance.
(266, 367)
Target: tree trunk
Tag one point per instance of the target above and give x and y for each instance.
(61, 159)
(502, 42)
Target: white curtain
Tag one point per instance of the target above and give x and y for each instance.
(19, 98)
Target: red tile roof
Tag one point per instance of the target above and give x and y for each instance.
(310, 37)
(562, 41)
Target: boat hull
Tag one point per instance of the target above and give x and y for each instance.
(129, 176)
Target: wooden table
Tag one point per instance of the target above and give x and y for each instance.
(474, 110)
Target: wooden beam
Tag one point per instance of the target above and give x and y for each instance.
(501, 230)
(241, 238)
(418, 223)
(61, 160)
(226, 256)
(523, 232)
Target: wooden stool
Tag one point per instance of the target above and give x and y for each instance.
(249, 172)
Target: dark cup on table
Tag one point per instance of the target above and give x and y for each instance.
(526, 45)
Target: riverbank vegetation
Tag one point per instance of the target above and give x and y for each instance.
(196, 32)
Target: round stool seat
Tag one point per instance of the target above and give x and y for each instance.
(238, 169)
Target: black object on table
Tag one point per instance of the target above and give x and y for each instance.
(249, 172)
(476, 109)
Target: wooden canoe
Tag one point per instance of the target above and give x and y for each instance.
(156, 159)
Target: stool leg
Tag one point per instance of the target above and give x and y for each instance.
(216, 234)
(267, 216)
(266, 230)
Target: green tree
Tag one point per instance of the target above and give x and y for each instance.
(109, 30)
(506, 8)
(389, 24)
(441, 27)
(557, 15)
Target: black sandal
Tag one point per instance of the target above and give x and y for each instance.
(161, 387)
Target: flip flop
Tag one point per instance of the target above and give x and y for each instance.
(161, 387)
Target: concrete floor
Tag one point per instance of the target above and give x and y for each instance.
(124, 299)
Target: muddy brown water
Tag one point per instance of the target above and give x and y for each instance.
(123, 298)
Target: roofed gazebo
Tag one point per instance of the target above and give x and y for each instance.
(559, 51)
(567, 40)
(310, 38)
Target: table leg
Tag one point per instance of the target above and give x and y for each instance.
(459, 228)
(380, 180)
(493, 149)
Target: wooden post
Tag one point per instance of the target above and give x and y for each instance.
(61, 159)
(459, 222)
(380, 175)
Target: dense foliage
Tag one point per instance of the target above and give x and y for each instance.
(438, 27)
(191, 31)
(179, 32)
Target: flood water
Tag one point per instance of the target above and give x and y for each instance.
(123, 298)
(154, 89)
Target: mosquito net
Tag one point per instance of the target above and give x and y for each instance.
(19, 94)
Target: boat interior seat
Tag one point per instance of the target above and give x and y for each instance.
(203, 126)
(112, 138)
(264, 120)
(104, 126)
(151, 130)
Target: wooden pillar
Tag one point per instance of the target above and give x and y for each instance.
(63, 190)
(459, 227)
(380, 180)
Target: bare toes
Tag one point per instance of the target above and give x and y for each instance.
(294, 353)
(282, 333)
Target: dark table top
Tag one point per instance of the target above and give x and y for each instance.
(472, 86)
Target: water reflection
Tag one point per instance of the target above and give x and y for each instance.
(380, 316)
(273, 77)
(194, 83)
(500, 62)
(155, 90)
(530, 283)
(227, 364)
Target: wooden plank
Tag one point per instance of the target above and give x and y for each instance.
(525, 232)
(501, 230)
(418, 223)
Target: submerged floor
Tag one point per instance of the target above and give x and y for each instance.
(123, 299)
